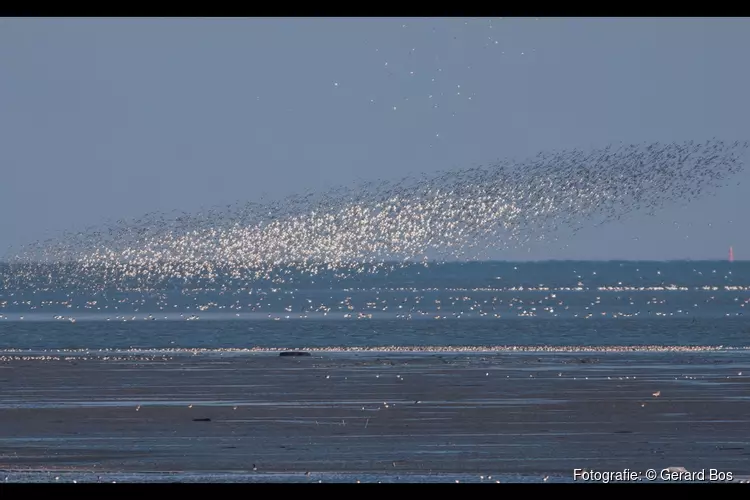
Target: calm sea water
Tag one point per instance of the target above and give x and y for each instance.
(560, 303)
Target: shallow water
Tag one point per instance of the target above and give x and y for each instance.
(348, 417)
(470, 304)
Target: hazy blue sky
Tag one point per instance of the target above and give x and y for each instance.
(110, 118)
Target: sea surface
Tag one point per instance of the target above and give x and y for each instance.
(531, 304)
(136, 379)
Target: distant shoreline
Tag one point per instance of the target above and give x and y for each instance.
(62, 354)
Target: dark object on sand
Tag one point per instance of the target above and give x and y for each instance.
(294, 353)
(201, 420)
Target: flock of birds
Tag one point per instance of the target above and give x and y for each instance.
(459, 214)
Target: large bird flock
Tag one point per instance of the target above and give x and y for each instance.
(460, 214)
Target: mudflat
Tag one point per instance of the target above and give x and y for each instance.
(376, 413)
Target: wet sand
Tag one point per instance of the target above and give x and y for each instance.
(376, 414)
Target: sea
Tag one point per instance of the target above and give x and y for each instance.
(451, 306)
(544, 304)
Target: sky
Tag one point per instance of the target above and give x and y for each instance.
(102, 119)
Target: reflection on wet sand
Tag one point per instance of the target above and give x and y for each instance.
(373, 416)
